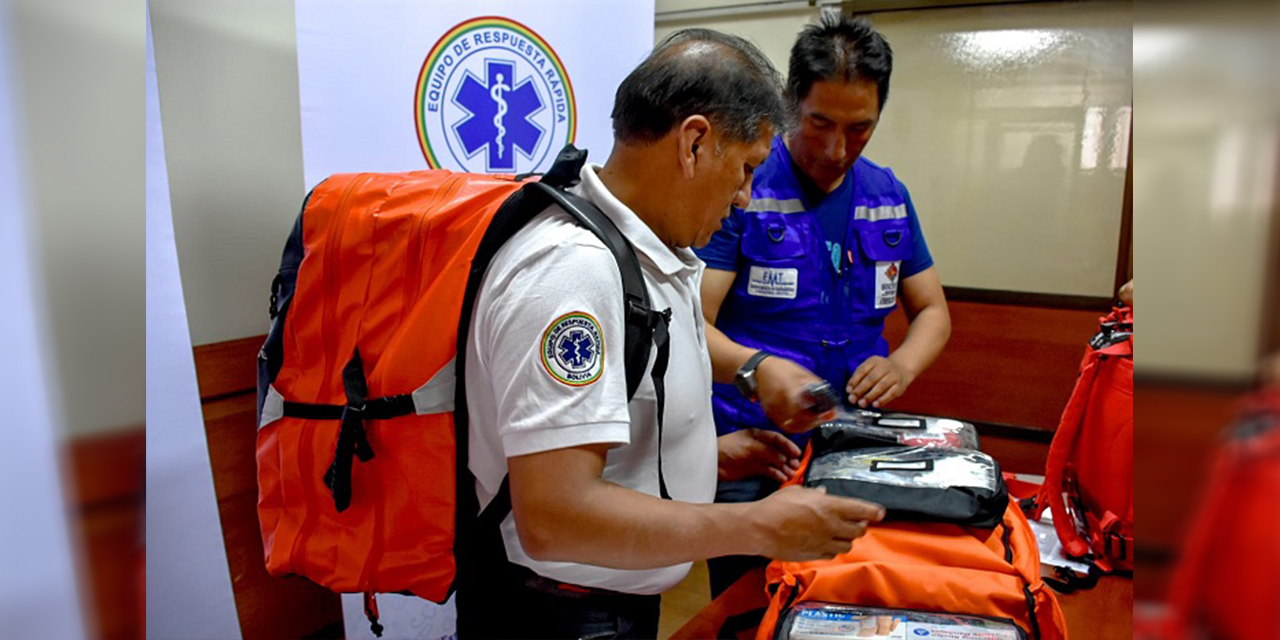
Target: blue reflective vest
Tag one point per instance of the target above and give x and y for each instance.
(793, 298)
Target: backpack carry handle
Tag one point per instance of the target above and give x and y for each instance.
(564, 171)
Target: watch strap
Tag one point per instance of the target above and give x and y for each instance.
(753, 362)
(745, 379)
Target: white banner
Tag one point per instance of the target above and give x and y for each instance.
(487, 86)
(38, 593)
(188, 584)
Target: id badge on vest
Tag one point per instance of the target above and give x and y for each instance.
(886, 291)
(767, 282)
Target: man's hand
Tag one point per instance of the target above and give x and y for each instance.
(781, 384)
(757, 452)
(797, 523)
(877, 382)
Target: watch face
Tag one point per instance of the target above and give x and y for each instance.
(746, 383)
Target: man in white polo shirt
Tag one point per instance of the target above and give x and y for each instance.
(589, 545)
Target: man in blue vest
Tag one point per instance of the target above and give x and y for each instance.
(798, 284)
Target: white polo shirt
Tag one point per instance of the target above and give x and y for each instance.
(545, 371)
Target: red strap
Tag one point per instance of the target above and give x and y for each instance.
(1108, 522)
(1108, 540)
(371, 612)
(1059, 452)
(1118, 314)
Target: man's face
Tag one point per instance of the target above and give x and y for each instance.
(836, 121)
(726, 183)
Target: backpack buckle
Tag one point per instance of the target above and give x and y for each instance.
(637, 312)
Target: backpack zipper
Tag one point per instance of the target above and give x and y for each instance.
(306, 470)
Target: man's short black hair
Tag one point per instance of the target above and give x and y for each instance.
(700, 72)
(842, 49)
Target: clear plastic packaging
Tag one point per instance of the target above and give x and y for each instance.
(826, 621)
(914, 467)
(904, 429)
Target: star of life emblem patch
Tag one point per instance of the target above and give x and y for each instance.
(573, 349)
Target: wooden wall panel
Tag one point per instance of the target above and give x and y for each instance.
(1177, 430)
(224, 368)
(107, 476)
(1016, 455)
(109, 468)
(1005, 364)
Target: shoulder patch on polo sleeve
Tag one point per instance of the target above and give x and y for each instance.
(573, 349)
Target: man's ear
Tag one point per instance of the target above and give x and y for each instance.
(691, 138)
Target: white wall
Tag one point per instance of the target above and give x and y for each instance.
(229, 97)
(774, 31)
(1203, 195)
(1010, 124)
(77, 83)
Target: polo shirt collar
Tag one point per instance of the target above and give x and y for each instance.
(648, 247)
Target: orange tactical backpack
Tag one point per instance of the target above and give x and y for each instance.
(362, 435)
(941, 567)
(1089, 475)
(1226, 584)
(930, 567)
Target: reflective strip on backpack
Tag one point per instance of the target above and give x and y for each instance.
(875, 214)
(436, 396)
(272, 407)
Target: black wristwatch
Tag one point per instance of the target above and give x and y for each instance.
(745, 379)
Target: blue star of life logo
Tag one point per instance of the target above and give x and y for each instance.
(498, 115)
(577, 349)
(493, 97)
(573, 349)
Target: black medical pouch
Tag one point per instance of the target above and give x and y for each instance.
(961, 486)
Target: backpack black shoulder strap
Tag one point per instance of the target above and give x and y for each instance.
(636, 306)
(644, 327)
(532, 200)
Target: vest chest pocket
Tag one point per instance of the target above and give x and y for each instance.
(775, 261)
(771, 238)
(884, 246)
(888, 241)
